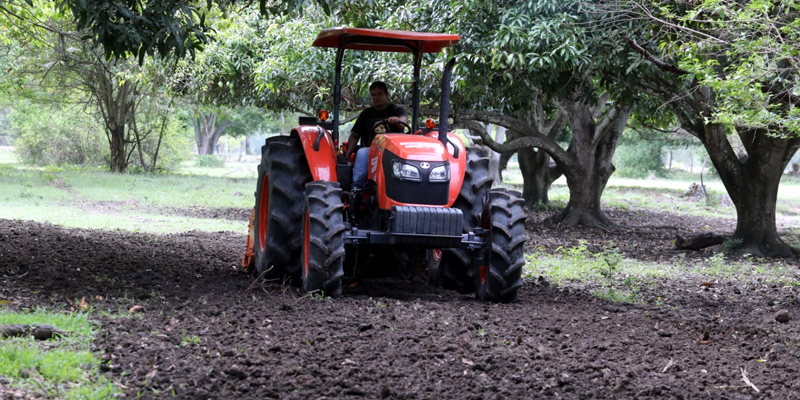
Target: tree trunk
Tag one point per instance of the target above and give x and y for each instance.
(494, 157)
(118, 162)
(207, 132)
(752, 183)
(590, 152)
(502, 164)
(538, 171)
(117, 105)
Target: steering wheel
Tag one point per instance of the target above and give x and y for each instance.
(385, 123)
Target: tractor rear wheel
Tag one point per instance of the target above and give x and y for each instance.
(323, 239)
(500, 278)
(451, 268)
(282, 176)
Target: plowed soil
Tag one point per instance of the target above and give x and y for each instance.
(208, 331)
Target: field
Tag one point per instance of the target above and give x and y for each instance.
(149, 266)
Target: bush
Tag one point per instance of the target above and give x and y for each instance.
(210, 161)
(174, 149)
(640, 159)
(52, 135)
(56, 135)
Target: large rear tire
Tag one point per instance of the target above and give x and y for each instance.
(451, 268)
(323, 239)
(282, 176)
(504, 219)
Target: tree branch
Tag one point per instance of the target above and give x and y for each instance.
(536, 141)
(655, 60)
(497, 119)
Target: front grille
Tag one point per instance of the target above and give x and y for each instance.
(426, 220)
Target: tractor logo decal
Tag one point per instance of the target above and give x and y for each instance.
(434, 147)
(424, 165)
(374, 165)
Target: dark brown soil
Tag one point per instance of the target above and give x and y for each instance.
(209, 331)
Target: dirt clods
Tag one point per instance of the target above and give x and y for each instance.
(211, 332)
(783, 316)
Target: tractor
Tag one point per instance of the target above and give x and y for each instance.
(425, 190)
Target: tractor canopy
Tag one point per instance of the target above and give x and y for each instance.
(417, 43)
(385, 40)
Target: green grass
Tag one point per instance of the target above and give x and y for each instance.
(579, 264)
(244, 169)
(88, 198)
(64, 368)
(620, 279)
(192, 340)
(663, 194)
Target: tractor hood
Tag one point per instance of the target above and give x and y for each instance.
(412, 147)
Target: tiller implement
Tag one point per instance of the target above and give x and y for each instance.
(424, 190)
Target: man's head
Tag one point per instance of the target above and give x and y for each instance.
(379, 94)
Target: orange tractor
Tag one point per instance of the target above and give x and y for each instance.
(425, 190)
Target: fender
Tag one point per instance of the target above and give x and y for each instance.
(322, 163)
(458, 166)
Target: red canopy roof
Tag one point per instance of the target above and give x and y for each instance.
(385, 40)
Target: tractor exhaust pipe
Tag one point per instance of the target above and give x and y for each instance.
(444, 103)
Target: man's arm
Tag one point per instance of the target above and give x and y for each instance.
(352, 141)
(393, 120)
(402, 116)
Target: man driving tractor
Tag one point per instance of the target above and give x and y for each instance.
(366, 126)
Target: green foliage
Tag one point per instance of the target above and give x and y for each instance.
(174, 146)
(125, 28)
(55, 135)
(640, 159)
(748, 56)
(608, 264)
(210, 161)
(616, 296)
(731, 244)
(191, 340)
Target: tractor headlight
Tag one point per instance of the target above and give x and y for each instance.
(405, 171)
(440, 173)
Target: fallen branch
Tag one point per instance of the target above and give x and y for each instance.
(698, 242)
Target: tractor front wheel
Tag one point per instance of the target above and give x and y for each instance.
(500, 278)
(323, 239)
(450, 268)
(282, 176)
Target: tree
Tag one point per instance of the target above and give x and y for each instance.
(207, 130)
(506, 76)
(533, 68)
(48, 47)
(727, 67)
(125, 28)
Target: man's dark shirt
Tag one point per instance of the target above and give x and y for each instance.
(367, 119)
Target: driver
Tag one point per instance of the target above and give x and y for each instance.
(363, 129)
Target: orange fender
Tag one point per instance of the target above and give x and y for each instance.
(458, 166)
(322, 162)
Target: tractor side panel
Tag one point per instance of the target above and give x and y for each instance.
(322, 163)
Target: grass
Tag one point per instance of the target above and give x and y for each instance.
(619, 279)
(63, 368)
(88, 198)
(663, 194)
